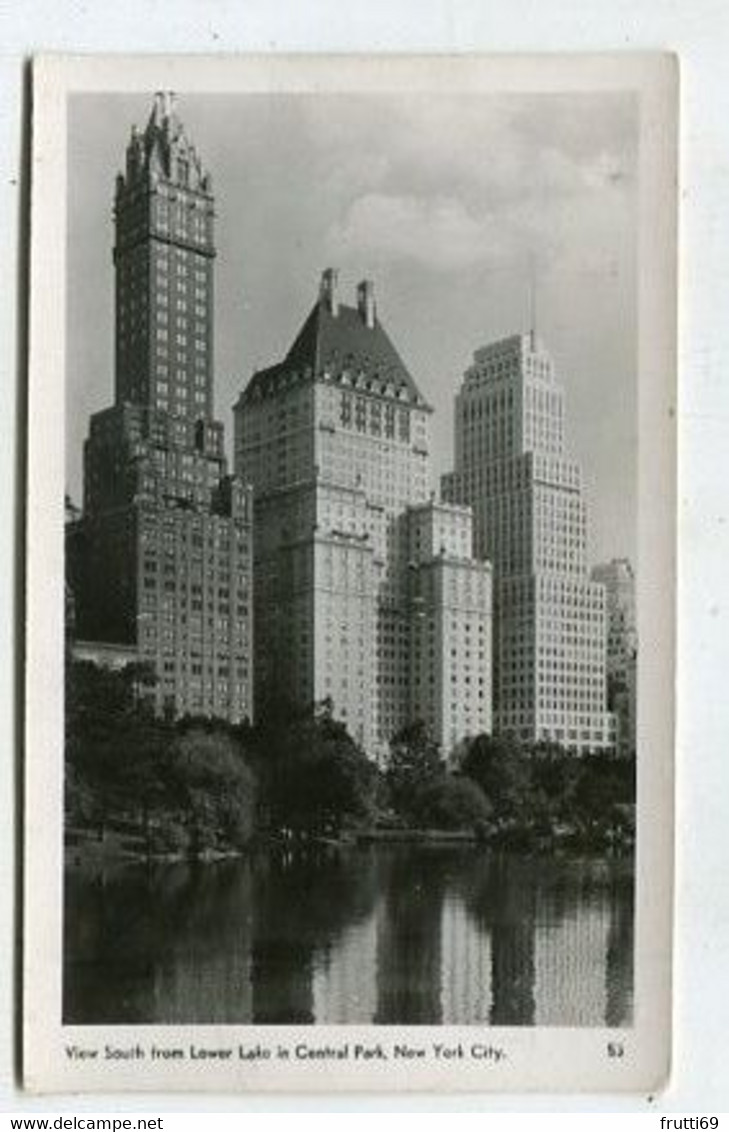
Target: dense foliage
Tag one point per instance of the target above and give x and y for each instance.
(450, 802)
(544, 790)
(314, 778)
(202, 786)
(213, 787)
(414, 763)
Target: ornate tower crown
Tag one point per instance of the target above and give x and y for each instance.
(163, 152)
(163, 254)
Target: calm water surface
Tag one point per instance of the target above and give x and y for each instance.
(384, 935)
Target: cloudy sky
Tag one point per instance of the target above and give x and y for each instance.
(443, 201)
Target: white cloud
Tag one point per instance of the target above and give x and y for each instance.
(459, 183)
(442, 233)
(437, 232)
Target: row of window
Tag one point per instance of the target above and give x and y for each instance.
(366, 415)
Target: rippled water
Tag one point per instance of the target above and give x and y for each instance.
(383, 935)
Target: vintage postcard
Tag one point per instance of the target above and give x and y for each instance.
(350, 569)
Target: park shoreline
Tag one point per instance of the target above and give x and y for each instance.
(84, 847)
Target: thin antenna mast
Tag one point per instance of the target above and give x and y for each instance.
(532, 291)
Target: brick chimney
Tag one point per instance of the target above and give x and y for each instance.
(328, 289)
(366, 302)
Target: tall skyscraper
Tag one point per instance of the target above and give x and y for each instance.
(622, 647)
(512, 467)
(362, 581)
(162, 557)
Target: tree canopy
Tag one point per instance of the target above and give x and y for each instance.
(314, 776)
(197, 784)
(451, 802)
(414, 761)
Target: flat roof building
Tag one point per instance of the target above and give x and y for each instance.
(512, 466)
(622, 647)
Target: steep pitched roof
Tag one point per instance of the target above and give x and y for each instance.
(342, 343)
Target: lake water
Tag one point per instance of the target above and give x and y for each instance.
(384, 935)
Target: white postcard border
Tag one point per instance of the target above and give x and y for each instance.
(546, 1059)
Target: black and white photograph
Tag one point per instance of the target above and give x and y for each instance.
(365, 678)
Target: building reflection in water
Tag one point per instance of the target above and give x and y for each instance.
(466, 969)
(395, 935)
(412, 885)
(138, 947)
(620, 950)
(571, 951)
(305, 904)
(282, 954)
(513, 941)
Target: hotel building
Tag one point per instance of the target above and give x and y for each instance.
(161, 559)
(512, 467)
(366, 589)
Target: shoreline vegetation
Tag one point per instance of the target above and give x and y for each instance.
(143, 789)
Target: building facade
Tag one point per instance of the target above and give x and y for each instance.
(450, 624)
(622, 647)
(513, 469)
(352, 586)
(161, 559)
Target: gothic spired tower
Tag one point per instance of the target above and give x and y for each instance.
(165, 551)
(163, 258)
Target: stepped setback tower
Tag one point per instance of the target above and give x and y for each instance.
(161, 558)
(512, 467)
(366, 589)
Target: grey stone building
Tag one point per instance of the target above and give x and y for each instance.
(161, 558)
